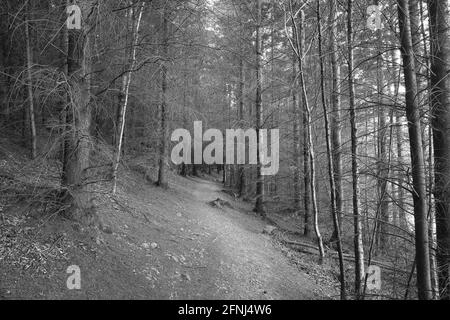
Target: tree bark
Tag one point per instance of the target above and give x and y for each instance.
(259, 205)
(307, 195)
(241, 171)
(439, 11)
(331, 174)
(31, 115)
(335, 117)
(357, 221)
(383, 166)
(126, 81)
(79, 118)
(297, 161)
(163, 112)
(417, 157)
(308, 128)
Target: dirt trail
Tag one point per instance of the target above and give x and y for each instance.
(242, 261)
(163, 244)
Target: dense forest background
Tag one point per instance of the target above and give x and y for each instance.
(361, 98)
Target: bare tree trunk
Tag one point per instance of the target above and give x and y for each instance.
(315, 210)
(65, 118)
(126, 89)
(31, 120)
(334, 212)
(259, 205)
(309, 141)
(417, 157)
(358, 236)
(335, 117)
(383, 166)
(184, 166)
(431, 204)
(163, 112)
(297, 139)
(401, 211)
(439, 11)
(241, 171)
(299, 36)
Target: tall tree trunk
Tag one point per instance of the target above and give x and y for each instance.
(241, 171)
(335, 117)
(163, 112)
(126, 81)
(259, 205)
(331, 175)
(382, 167)
(297, 161)
(357, 221)
(184, 166)
(31, 116)
(401, 211)
(299, 46)
(65, 117)
(417, 157)
(431, 204)
(309, 139)
(439, 11)
(79, 116)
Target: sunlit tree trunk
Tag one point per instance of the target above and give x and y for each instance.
(124, 94)
(357, 221)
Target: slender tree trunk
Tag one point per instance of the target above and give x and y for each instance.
(31, 120)
(401, 211)
(297, 139)
(439, 11)
(358, 236)
(334, 212)
(431, 204)
(66, 110)
(299, 42)
(259, 205)
(163, 112)
(184, 166)
(309, 141)
(126, 89)
(417, 157)
(241, 171)
(383, 166)
(335, 117)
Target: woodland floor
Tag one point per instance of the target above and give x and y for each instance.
(155, 244)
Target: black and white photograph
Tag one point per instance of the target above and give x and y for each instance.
(223, 156)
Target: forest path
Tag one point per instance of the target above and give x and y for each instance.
(242, 262)
(163, 244)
